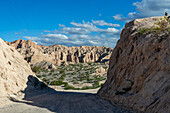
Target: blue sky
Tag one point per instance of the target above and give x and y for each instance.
(73, 22)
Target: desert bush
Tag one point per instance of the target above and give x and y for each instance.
(55, 74)
(62, 77)
(36, 69)
(44, 79)
(74, 73)
(75, 82)
(58, 83)
(162, 24)
(66, 87)
(44, 75)
(85, 87)
(52, 70)
(39, 76)
(62, 71)
(50, 73)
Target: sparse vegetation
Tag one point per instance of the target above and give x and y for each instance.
(75, 74)
(58, 83)
(162, 24)
(36, 69)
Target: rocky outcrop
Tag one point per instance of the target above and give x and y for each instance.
(100, 70)
(23, 44)
(44, 65)
(139, 69)
(59, 54)
(15, 73)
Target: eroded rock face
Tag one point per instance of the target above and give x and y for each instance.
(14, 71)
(45, 65)
(139, 69)
(59, 54)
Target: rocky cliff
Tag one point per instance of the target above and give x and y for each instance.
(59, 54)
(15, 73)
(139, 68)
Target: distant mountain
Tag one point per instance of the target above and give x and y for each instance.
(59, 54)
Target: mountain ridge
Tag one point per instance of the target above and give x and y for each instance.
(59, 54)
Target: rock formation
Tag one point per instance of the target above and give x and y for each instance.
(59, 54)
(14, 71)
(44, 65)
(100, 70)
(139, 69)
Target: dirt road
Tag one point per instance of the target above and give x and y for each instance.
(61, 102)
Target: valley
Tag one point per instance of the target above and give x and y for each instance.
(75, 76)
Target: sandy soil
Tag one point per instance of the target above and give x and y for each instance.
(52, 101)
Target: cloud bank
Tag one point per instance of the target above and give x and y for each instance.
(95, 33)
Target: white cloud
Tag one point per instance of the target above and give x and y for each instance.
(147, 8)
(118, 17)
(56, 36)
(61, 25)
(83, 25)
(112, 30)
(46, 31)
(31, 38)
(103, 23)
(74, 30)
(87, 27)
(85, 33)
(109, 31)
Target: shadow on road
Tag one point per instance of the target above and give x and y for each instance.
(39, 95)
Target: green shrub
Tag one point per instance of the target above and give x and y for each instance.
(162, 24)
(66, 87)
(58, 83)
(85, 87)
(50, 73)
(44, 75)
(55, 74)
(39, 76)
(36, 69)
(44, 79)
(62, 77)
(96, 83)
(62, 71)
(142, 31)
(52, 70)
(75, 82)
(74, 73)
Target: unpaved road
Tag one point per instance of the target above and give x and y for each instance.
(62, 102)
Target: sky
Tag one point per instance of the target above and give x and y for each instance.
(73, 22)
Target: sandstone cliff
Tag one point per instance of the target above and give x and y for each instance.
(139, 68)
(14, 71)
(59, 54)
